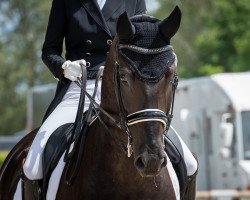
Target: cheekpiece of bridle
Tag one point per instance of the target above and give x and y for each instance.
(157, 115)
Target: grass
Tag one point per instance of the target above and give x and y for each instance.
(3, 155)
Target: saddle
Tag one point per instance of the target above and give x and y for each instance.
(55, 147)
(59, 140)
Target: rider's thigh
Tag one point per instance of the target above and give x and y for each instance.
(64, 113)
(189, 159)
(61, 115)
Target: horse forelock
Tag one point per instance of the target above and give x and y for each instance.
(149, 67)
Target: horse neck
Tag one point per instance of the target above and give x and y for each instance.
(110, 141)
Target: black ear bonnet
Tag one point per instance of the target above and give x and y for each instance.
(150, 67)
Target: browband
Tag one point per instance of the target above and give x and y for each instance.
(146, 51)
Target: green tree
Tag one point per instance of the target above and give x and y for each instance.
(225, 40)
(23, 25)
(192, 24)
(214, 36)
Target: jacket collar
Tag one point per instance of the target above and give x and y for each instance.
(110, 7)
(93, 9)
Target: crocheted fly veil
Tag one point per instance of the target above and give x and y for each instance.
(153, 57)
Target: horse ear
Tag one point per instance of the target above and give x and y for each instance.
(169, 26)
(125, 29)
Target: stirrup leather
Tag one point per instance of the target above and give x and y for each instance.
(31, 189)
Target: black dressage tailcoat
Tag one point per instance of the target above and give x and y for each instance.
(87, 32)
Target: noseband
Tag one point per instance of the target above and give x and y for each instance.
(147, 115)
(127, 120)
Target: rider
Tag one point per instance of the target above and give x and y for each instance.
(87, 27)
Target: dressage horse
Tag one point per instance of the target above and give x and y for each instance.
(123, 156)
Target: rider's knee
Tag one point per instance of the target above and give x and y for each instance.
(31, 172)
(192, 166)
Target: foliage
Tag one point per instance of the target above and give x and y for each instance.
(207, 70)
(192, 23)
(214, 36)
(225, 39)
(3, 155)
(21, 38)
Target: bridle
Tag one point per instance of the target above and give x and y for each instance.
(144, 115)
(140, 116)
(126, 119)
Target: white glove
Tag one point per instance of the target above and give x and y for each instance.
(72, 70)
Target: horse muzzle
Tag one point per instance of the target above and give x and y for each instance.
(150, 165)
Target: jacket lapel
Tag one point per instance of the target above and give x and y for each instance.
(93, 9)
(110, 7)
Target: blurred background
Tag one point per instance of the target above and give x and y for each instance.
(212, 45)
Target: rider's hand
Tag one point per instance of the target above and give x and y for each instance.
(72, 70)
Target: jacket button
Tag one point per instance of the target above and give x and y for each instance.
(88, 54)
(88, 64)
(89, 42)
(109, 42)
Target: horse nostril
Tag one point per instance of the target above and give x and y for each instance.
(164, 162)
(139, 163)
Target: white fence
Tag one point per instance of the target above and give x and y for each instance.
(7, 142)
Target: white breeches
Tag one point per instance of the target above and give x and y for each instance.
(189, 159)
(64, 113)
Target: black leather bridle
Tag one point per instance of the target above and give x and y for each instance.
(127, 120)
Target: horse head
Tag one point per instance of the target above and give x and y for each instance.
(138, 85)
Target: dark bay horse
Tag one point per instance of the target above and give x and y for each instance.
(137, 90)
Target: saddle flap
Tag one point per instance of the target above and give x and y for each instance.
(53, 151)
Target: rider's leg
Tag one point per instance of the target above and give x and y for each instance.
(64, 113)
(191, 187)
(192, 169)
(61, 115)
(189, 159)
